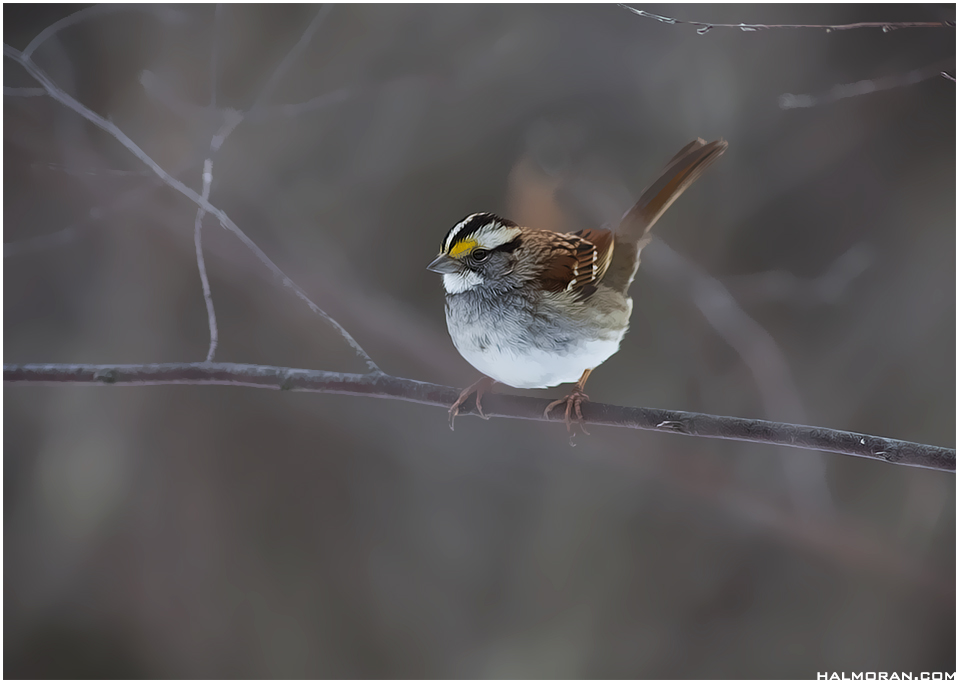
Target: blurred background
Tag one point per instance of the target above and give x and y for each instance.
(232, 532)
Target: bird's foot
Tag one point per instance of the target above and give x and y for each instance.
(480, 386)
(573, 401)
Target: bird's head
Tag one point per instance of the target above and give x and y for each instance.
(477, 252)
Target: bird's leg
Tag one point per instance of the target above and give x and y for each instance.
(480, 386)
(573, 400)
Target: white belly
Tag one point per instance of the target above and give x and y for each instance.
(536, 368)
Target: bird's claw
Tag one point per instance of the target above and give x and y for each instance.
(573, 402)
(480, 386)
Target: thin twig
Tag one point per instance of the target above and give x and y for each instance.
(259, 111)
(201, 264)
(232, 120)
(294, 53)
(844, 90)
(378, 384)
(207, 182)
(885, 26)
(62, 97)
(165, 12)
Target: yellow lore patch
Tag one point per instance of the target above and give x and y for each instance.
(462, 247)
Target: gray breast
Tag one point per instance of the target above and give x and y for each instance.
(483, 320)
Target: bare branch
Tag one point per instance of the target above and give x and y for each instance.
(201, 264)
(259, 112)
(292, 56)
(844, 90)
(231, 121)
(886, 26)
(207, 178)
(381, 385)
(62, 97)
(164, 12)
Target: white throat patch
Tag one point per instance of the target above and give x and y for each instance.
(455, 283)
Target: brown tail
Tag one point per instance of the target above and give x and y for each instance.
(631, 236)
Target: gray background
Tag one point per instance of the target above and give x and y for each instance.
(230, 532)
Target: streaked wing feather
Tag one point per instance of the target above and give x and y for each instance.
(580, 260)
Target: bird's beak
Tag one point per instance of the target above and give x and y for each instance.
(444, 264)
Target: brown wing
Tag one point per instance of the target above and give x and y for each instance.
(578, 260)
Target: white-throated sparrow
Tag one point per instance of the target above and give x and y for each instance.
(533, 308)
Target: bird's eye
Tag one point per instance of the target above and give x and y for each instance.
(480, 255)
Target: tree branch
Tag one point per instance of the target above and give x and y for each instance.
(886, 26)
(232, 120)
(165, 13)
(844, 90)
(201, 264)
(63, 98)
(379, 384)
